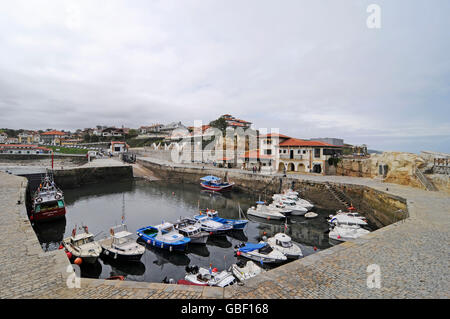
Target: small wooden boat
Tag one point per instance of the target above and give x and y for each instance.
(121, 246)
(281, 207)
(83, 246)
(283, 243)
(214, 183)
(163, 236)
(265, 212)
(192, 230)
(261, 252)
(189, 283)
(211, 226)
(47, 201)
(201, 276)
(116, 278)
(349, 218)
(246, 270)
(214, 215)
(290, 195)
(311, 215)
(346, 232)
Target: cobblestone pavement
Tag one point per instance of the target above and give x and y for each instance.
(413, 257)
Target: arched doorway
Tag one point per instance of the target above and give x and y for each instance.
(291, 167)
(301, 168)
(281, 167)
(317, 168)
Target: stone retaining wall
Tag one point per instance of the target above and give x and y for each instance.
(75, 177)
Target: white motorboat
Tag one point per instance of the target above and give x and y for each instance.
(265, 212)
(283, 243)
(299, 201)
(191, 229)
(281, 207)
(202, 277)
(261, 252)
(83, 245)
(243, 271)
(289, 191)
(211, 226)
(311, 215)
(121, 246)
(297, 209)
(345, 219)
(347, 232)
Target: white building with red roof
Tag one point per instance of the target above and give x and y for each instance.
(235, 122)
(298, 155)
(23, 149)
(52, 137)
(118, 147)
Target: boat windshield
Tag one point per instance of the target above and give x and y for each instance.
(285, 244)
(266, 250)
(83, 241)
(167, 230)
(289, 203)
(49, 206)
(121, 241)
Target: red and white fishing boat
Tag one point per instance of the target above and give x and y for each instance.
(214, 183)
(47, 201)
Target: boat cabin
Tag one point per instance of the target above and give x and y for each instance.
(283, 240)
(121, 237)
(209, 212)
(47, 206)
(189, 231)
(82, 239)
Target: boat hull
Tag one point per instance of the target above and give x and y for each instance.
(265, 216)
(48, 215)
(259, 258)
(121, 257)
(216, 188)
(167, 246)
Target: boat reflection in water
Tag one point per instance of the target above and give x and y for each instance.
(136, 268)
(219, 241)
(93, 270)
(238, 234)
(199, 250)
(164, 256)
(51, 234)
(309, 233)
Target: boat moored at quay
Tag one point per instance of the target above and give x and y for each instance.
(214, 216)
(47, 203)
(120, 246)
(163, 236)
(82, 246)
(214, 183)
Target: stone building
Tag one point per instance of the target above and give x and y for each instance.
(298, 155)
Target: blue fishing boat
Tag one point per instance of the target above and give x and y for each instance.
(213, 183)
(163, 236)
(214, 215)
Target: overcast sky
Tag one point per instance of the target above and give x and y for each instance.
(310, 68)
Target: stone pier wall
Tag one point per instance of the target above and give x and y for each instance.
(75, 177)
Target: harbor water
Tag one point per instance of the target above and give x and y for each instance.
(101, 206)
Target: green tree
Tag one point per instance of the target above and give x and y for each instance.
(220, 123)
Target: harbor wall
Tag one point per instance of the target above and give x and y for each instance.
(378, 207)
(75, 177)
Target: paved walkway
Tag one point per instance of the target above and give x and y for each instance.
(413, 257)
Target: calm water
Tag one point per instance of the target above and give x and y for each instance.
(100, 206)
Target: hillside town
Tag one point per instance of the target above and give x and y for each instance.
(234, 143)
